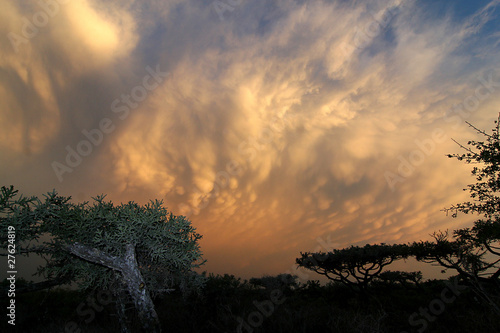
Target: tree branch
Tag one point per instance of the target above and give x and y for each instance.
(465, 148)
(96, 256)
(478, 130)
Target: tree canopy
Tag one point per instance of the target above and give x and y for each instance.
(474, 252)
(483, 238)
(100, 245)
(354, 266)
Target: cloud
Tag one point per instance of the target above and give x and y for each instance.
(273, 127)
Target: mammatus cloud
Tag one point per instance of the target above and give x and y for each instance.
(283, 123)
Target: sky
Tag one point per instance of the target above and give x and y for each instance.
(277, 127)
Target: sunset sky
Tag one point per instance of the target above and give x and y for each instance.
(276, 126)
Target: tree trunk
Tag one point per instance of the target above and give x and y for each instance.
(137, 289)
(127, 265)
(120, 306)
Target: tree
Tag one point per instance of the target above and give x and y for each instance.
(474, 252)
(484, 236)
(452, 253)
(101, 245)
(354, 266)
(470, 250)
(406, 279)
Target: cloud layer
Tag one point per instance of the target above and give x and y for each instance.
(277, 127)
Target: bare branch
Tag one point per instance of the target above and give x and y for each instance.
(466, 148)
(478, 130)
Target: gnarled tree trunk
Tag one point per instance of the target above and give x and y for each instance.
(137, 289)
(127, 265)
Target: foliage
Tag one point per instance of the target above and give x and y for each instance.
(165, 243)
(101, 245)
(405, 279)
(354, 266)
(455, 254)
(281, 281)
(316, 308)
(471, 249)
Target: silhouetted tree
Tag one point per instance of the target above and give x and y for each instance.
(474, 252)
(450, 254)
(354, 266)
(406, 279)
(104, 246)
(484, 236)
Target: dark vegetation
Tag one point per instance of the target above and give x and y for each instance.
(306, 307)
(133, 266)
